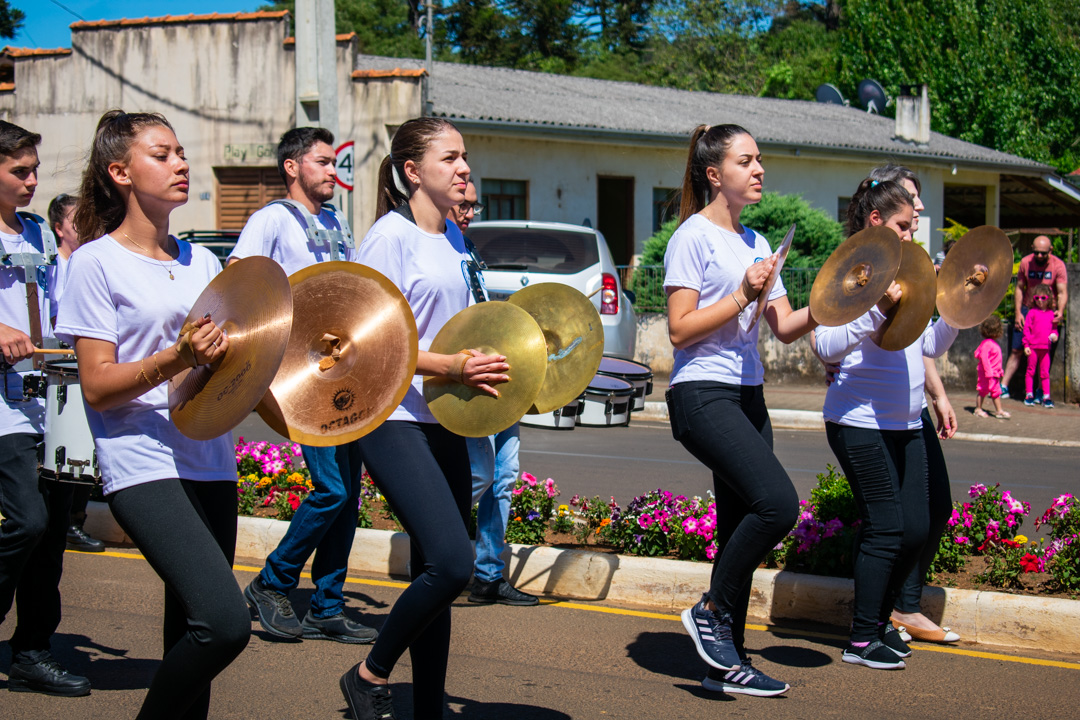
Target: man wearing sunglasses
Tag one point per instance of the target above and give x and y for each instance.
(1041, 267)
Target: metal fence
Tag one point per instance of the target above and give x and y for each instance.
(647, 284)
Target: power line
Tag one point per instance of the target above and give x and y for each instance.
(65, 7)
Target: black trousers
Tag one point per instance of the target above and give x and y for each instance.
(187, 532)
(33, 537)
(940, 494)
(887, 473)
(423, 470)
(727, 428)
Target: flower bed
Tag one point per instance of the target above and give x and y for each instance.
(982, 546)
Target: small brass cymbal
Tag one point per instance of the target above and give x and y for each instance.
(855, 276)
(974, 276)
(494, 328)
(907, 319)
(575, 340)
(350, 359)
(251, 302)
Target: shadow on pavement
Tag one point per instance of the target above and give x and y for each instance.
(793, 656)
(667, 653)
(476, 710)
(108, 669)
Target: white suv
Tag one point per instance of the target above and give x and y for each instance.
(521, 252)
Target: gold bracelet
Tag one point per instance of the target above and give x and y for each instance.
(142, 373)
(157, 369)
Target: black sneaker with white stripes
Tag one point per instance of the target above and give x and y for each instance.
(875, 655)
(890, 638)
(747, 680)
(711, 634)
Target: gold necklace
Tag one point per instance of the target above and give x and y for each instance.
(168, 268)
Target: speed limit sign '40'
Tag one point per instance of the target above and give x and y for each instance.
(346, 161)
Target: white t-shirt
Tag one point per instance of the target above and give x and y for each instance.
(713, 261)
(277, 232)
(875, 388)
(61, 278)
(428, 269)
(23, 416)
(119, 296)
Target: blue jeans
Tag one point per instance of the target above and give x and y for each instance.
(495, 466)
(324, 524)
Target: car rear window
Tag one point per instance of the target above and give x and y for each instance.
(562, 252)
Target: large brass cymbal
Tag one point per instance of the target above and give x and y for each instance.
(907, 319)
(574, 336)
(350, 359)
(252, 302)
(855, 276)
(493, 328)
(974, 276)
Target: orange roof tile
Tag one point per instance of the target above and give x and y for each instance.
(17, 52)
(396, 72)
(340, 37)
(7, 87)
(178, 19)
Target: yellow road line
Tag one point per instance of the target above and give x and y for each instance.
(771, 629)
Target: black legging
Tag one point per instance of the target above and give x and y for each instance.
(187, 532)
(910, 597)
(727, 428)
(423, 470)
(887, 473)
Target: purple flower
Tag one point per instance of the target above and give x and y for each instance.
(977, 491)
(645, 520)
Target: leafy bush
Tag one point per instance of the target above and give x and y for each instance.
(822, 542)
(531, 505)
(1062, 554)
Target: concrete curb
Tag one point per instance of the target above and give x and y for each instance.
(1015, 621)
(812, 420)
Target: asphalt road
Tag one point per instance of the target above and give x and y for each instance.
(628, 461)
(553, 662)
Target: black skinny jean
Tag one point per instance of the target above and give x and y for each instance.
(187, 532)
(33, 537)
(727, 428)
(940, 492)
(887, 473)
(423, 471)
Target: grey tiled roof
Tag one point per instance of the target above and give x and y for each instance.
(518, 97)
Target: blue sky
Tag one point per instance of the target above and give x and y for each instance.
(46, 23)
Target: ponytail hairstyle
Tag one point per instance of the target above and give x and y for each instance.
(888, 198)
(410, 142)
(896, 173)
(101, 207)
(708, 148)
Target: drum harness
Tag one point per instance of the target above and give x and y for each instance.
(31, 263)
(336, 241)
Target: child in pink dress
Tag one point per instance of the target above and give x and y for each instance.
(1039, 333)
(988, 355)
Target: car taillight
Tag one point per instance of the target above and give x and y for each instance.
(609, 295)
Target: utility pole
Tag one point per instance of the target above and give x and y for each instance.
(429, 36)
(316, 65)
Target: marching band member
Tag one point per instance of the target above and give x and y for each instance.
(873, 423)
(130, 287)
(325, 522)
(715, 269)
(34, 530)
(421, 467)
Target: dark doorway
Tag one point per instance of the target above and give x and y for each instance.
(966, 204)
(615, 216)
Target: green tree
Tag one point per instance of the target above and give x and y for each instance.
(383, 27)
(1001, 73)
(11, 20)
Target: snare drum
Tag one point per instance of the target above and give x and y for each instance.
(606, 402)
(563, 418)
(638, 375)
(69, 446)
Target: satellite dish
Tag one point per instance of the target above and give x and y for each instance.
(872, 96)
(829, 94)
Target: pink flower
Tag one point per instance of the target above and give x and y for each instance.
(529, 478)
(645, 520)
(710, 551)
(977, 491)
(992, 529)
(690, 525)
(517, 490)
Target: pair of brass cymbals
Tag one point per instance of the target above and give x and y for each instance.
(966, 290)
(326, 354)
(553, 340)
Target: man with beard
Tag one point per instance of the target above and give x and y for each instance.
(292, 232)
(1041, 267)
